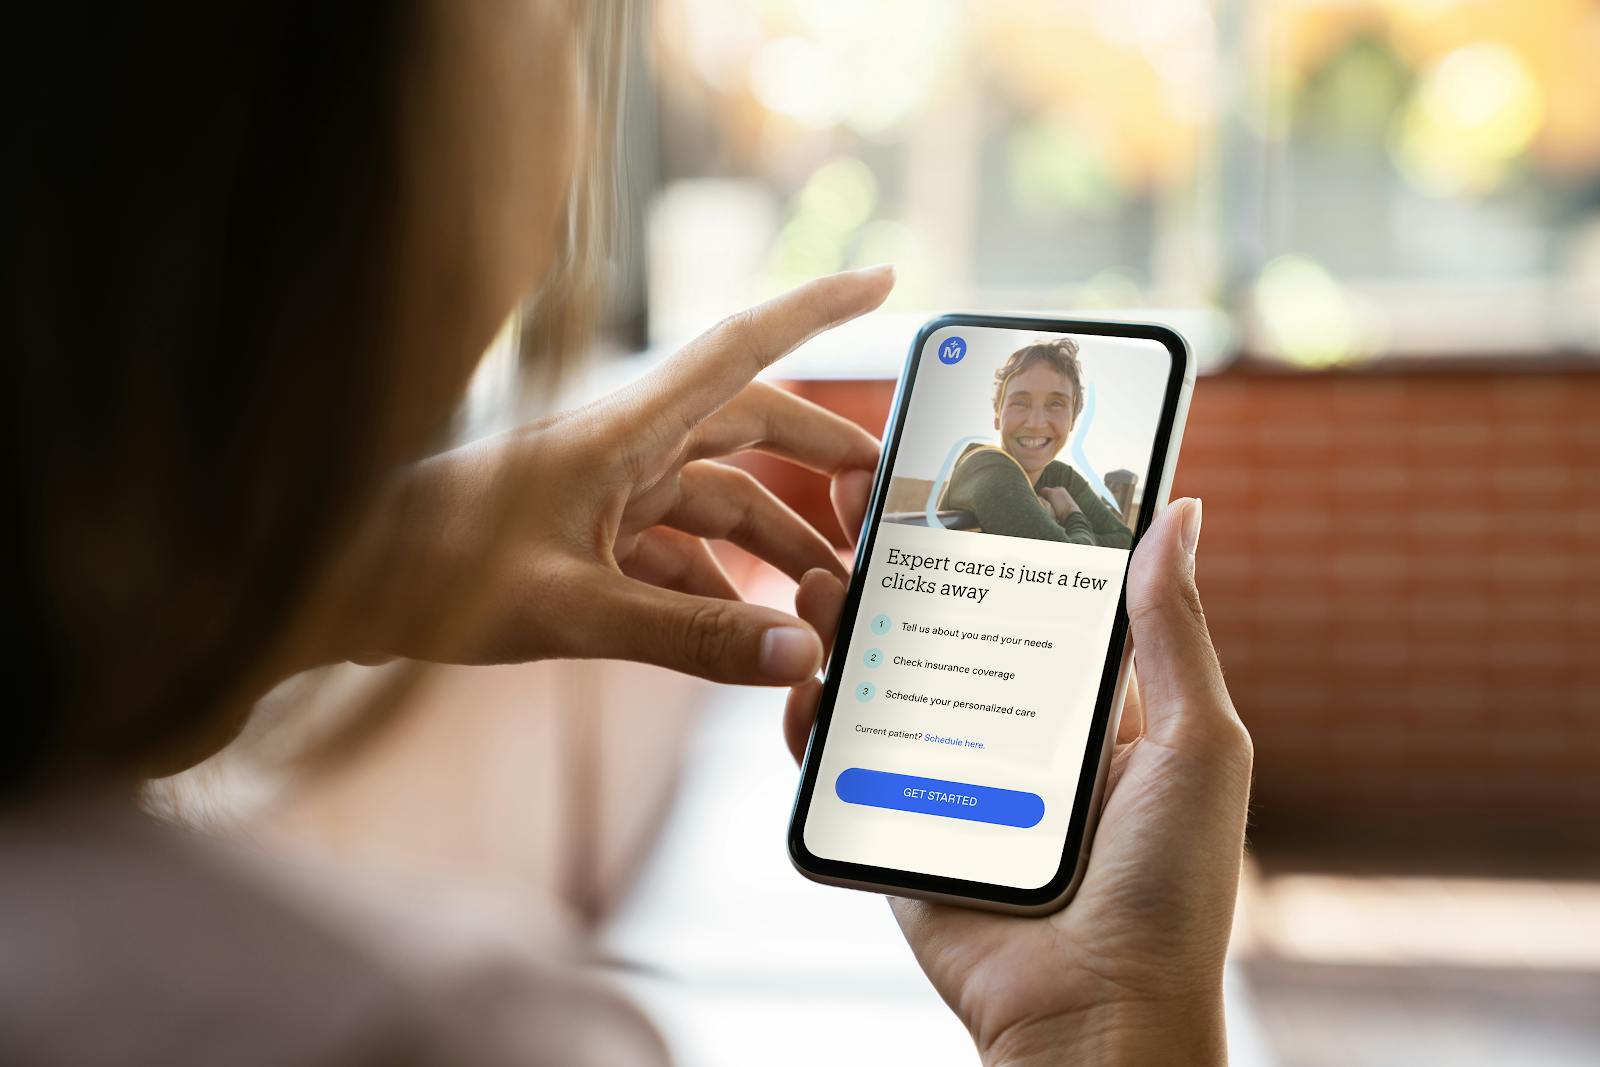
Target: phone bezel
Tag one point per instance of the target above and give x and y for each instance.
(1113, 674)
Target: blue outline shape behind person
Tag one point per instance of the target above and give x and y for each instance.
(931, 510)
(1079, 459)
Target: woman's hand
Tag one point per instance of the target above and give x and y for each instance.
(1131, 970)
(1059, 501)
(596, 521)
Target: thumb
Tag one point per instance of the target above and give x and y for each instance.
(1180, 679)
(721, 640)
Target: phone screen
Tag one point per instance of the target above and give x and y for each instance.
(968, 692)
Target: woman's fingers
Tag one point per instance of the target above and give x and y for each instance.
(851, 491)
(722, 640)
(1174, 822)
(1131, 726)
(818, 601)
(1183, 695)
(716, 366)
(678, 561)
(731, 505)
(675, 607)
(775, 420)
(798, 716)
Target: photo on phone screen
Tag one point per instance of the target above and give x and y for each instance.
(967, 696)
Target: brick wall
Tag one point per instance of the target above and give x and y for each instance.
(1402, 573)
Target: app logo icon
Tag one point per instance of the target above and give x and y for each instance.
(952, 350)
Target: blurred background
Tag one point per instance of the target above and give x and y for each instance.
(1378, 221)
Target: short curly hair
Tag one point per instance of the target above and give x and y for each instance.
(1062, 355)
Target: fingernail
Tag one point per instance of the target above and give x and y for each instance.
(1190, 532)
(790, 654)
(877, 268)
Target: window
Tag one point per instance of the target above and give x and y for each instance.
(1345, 178)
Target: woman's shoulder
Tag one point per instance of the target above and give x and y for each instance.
(976, 450)
(1061, 473)
(978, 458)
(136, 938)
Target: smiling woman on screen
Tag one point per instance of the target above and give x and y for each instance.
(1019, 488)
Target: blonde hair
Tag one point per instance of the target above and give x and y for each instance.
(557, 322)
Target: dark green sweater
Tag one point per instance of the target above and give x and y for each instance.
(994, 487)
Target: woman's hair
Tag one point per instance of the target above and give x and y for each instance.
(213, 358)
(1062, 355)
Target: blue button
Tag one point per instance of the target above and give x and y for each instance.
(933, 796)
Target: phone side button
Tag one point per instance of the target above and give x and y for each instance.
(935, 796)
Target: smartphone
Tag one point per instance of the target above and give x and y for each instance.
(970, 703)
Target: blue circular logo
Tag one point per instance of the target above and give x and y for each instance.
(952, 350)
